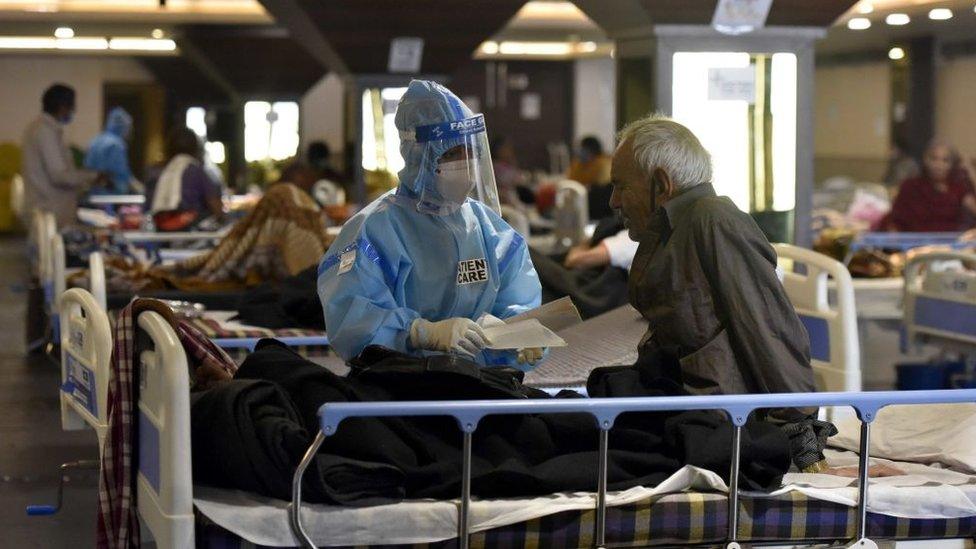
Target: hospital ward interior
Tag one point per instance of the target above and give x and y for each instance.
(454, 274)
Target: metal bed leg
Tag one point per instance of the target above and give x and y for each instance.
(463, 526)
(44, 510)
(862, 483)
(734, 488)
(295, 509)
(601, 493)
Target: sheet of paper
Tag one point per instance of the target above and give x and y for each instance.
(607, 340)
(555, 315)
(522, 335)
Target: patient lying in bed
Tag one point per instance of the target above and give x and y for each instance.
(282, 236)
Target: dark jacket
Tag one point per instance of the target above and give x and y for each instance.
(705, 280)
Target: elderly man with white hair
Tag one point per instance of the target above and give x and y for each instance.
(704, 278)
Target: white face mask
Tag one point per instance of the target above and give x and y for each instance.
(453, 182)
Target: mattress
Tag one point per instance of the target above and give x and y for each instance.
(689, 507)
(681, 518)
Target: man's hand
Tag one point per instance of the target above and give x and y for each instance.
(583, 257)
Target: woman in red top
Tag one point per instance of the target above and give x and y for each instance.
(940, 200)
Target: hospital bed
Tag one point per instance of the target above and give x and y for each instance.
(178, 514)
(831, 323)
(940, 305)
(238, 341)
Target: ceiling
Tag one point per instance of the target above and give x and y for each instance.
(841, 40)
(811, 13)
(137, 11)
(359, 31)
(235, 48)
(255, 61)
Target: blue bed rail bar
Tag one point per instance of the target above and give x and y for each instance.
(907, 241)
(605, 411)
(250, 342)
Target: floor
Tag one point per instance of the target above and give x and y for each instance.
(32, 445)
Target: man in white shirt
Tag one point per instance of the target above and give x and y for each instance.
(51, 181)
(617, 251)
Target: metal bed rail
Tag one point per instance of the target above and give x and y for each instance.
(605, 411)
(291, 341)
(116, 199)
(148, 237)
(907, 241)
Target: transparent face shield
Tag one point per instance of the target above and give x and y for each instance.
(458, 155)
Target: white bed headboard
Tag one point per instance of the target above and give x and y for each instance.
(165, 480)
(941, 305)
(834, 347)
(96, 278)
(45, 228)
(86, 351)
(58, 273)
(571, 213)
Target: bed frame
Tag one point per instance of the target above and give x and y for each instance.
(605, 411)
(834, 347)
(940, 307)
(96, 273)
(164, 481)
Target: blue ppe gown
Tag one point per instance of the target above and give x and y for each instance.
(109, 152)
(392, 265)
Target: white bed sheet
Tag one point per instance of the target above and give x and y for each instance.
(934, 433)
(925, 492)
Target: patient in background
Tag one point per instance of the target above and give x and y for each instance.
(301, 175)
(184, 193)
(940, 200)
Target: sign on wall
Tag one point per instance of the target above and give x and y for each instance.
(406, 53)
(732, 84)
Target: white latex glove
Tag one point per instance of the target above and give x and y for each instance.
(487, 321)
(530, 355)
(453, 335)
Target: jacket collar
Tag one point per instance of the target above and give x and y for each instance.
(676, 208)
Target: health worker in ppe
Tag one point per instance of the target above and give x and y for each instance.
(428, 265)
(109, 153)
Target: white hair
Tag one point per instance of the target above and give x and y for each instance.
(660, 142)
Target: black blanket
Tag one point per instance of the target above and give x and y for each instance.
(291, 303)
(594, 290)
(250, 434)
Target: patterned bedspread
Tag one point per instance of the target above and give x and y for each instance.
(681, 518)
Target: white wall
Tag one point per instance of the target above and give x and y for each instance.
(595, 100)
(955, 104)
(852, 110)
(851, 120)
(23, 79)
(322, 110)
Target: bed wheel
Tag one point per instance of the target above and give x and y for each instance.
(863, 543)
(733, 545)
